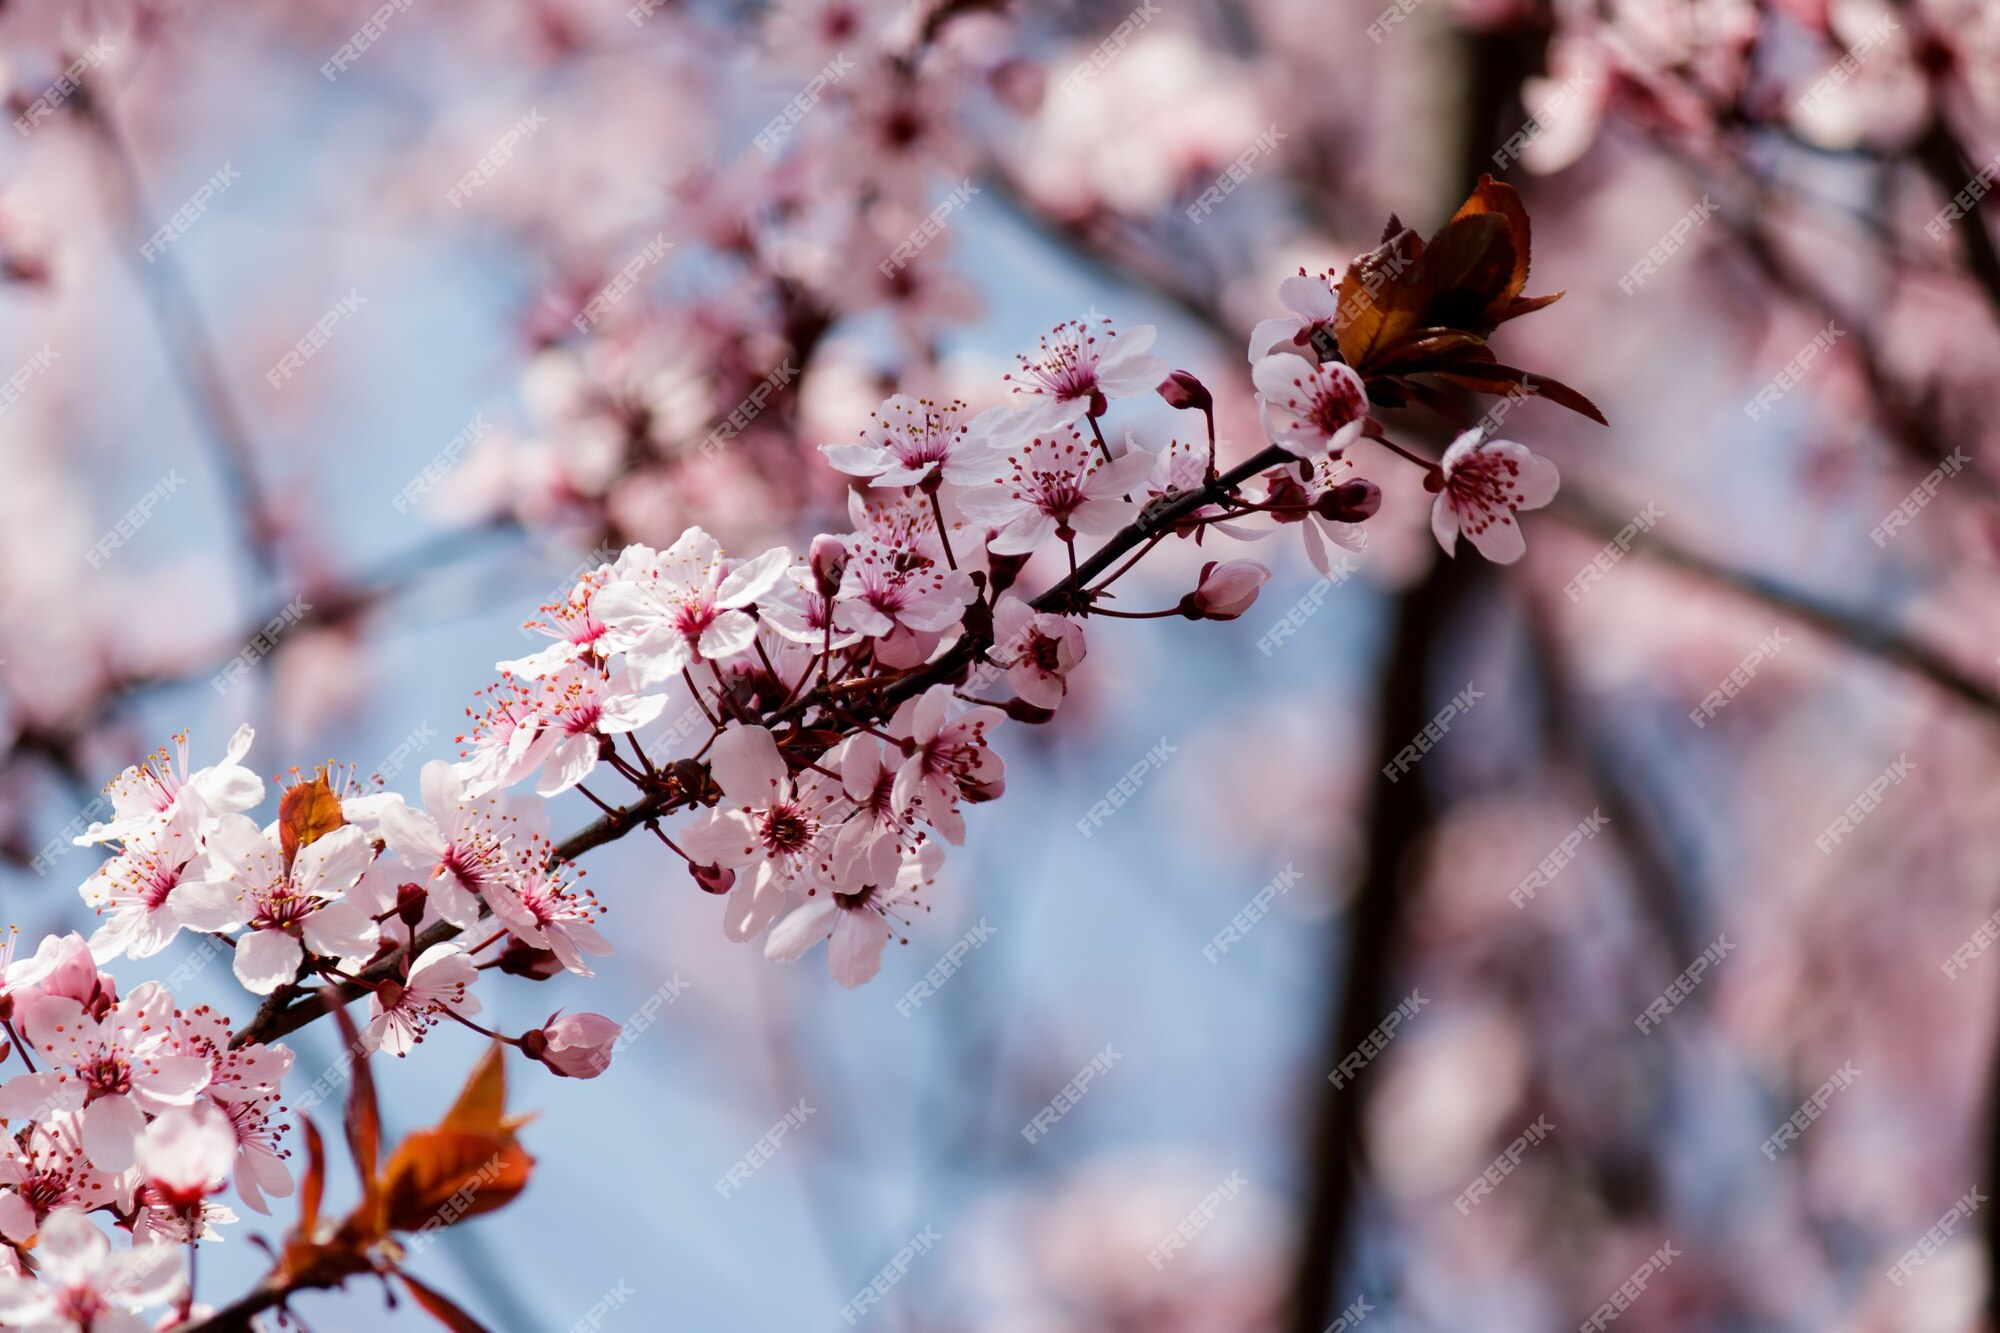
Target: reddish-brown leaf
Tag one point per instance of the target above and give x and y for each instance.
(441, 1307)
(1381, 300)
(313, 1188)
(1504, 379)
(439, 1177)
(307, 812)
(1498, 199)
(364, 1118)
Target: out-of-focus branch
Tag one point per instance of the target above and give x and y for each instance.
(56, 742)
(1837, 622)
(187, 345)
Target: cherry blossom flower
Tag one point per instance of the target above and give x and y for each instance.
(573, 709)
(146, 793)
(856, 925)
(768, 821)
(43, 1167)
(82, 1287)
(1056, 484)
(886, 587)
(916, 442)
(574, 1045)
(400, 1014)
(1310, 410)
(184, 1156)
(135, 888)
(457, 845)
(287, 908)
(545, 911)
(1080, 364)
(871, 842)
(572, 623)
(1485, 482)
(1039, 651)
(116, 1068)
(682, 605)
(257, 1135)
(1312, 325)
(945, 759)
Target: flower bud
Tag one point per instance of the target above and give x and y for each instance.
(829, 562)
(1184, 391)
(1350, 502)
(573, 1046)
(1226, 590)
(713, 879)
(411, 900)
(528, 962)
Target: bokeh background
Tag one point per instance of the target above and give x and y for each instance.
(1778, 203)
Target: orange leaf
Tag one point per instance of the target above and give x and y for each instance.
(1503, 379)
(307, 812)
(442, 1307)
(1381, 300)
(1499, 199)
(313, 1187)
(481, 1107)
(439, 1177)
(364, 1118)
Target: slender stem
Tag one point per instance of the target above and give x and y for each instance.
(1099, 433)
(944, 538)
(19, 1045)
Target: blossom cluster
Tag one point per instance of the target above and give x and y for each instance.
(825, 718)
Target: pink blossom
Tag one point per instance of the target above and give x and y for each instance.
(857, 925)
(545, 911)
(287, 909)
(1079, 365)
(945, 760)
(768, 821)
(916, 442)
(573, 708)
(456, 846)
(667, 610)
(400, 1014)
(147, 793)
(1485, 482)
(116, 1069)
(572, 622)
(1056, 484)
(1310, 410)
(135, 889)
(43, 1167)
(185, 1155)
(1312, 326)
(1039, 651)
(85, 1288)
(871, 842)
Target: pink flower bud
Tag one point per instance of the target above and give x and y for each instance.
(573, 1045)
(1350, 502)
(1184, 391)
(829, 561)
(1226, 590)
(713, 879)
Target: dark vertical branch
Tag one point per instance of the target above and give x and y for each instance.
(1364, 953)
